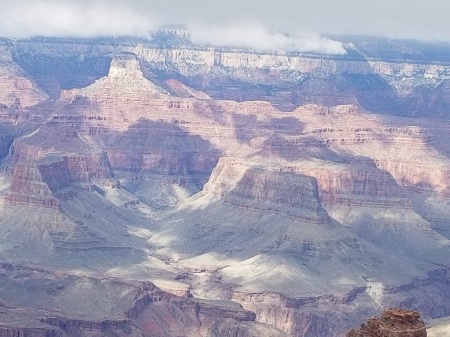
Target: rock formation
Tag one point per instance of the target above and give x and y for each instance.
(286, 187)
(393, 322)
(134, 309)
(388, 78)
(266, 190)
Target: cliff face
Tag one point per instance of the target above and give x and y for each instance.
(34, 183)
(386, 84)
(266, 190)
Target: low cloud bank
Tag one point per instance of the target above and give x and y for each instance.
(72, 19)
(412, 19)
(256, 37)
(101, 18)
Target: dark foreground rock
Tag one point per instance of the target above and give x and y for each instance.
(392, 323)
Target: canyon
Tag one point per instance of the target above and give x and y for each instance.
(182, 190)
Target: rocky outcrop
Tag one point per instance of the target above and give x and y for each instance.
(334, 314)
(100, 144)
(161, 315)
(266, 190)
(134, 144)
(392, 323)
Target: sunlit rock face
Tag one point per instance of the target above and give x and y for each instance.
(266, 194)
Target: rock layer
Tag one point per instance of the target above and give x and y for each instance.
(266, 190)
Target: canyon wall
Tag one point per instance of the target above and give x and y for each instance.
(391, 84)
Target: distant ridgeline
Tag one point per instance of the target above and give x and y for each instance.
(396, 77)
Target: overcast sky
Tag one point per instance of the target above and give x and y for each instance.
(253, 23)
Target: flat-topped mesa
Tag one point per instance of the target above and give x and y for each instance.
(125, 76)
(125, 64)
(267, 190)
(392, 323)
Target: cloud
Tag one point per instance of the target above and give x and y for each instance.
(255, 36)
(73, 19)
(416, 19)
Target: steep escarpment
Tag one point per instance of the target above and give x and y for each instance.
(69, 67)
(160, 147)
(298, 251)
(340, 147)
(41, 179)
